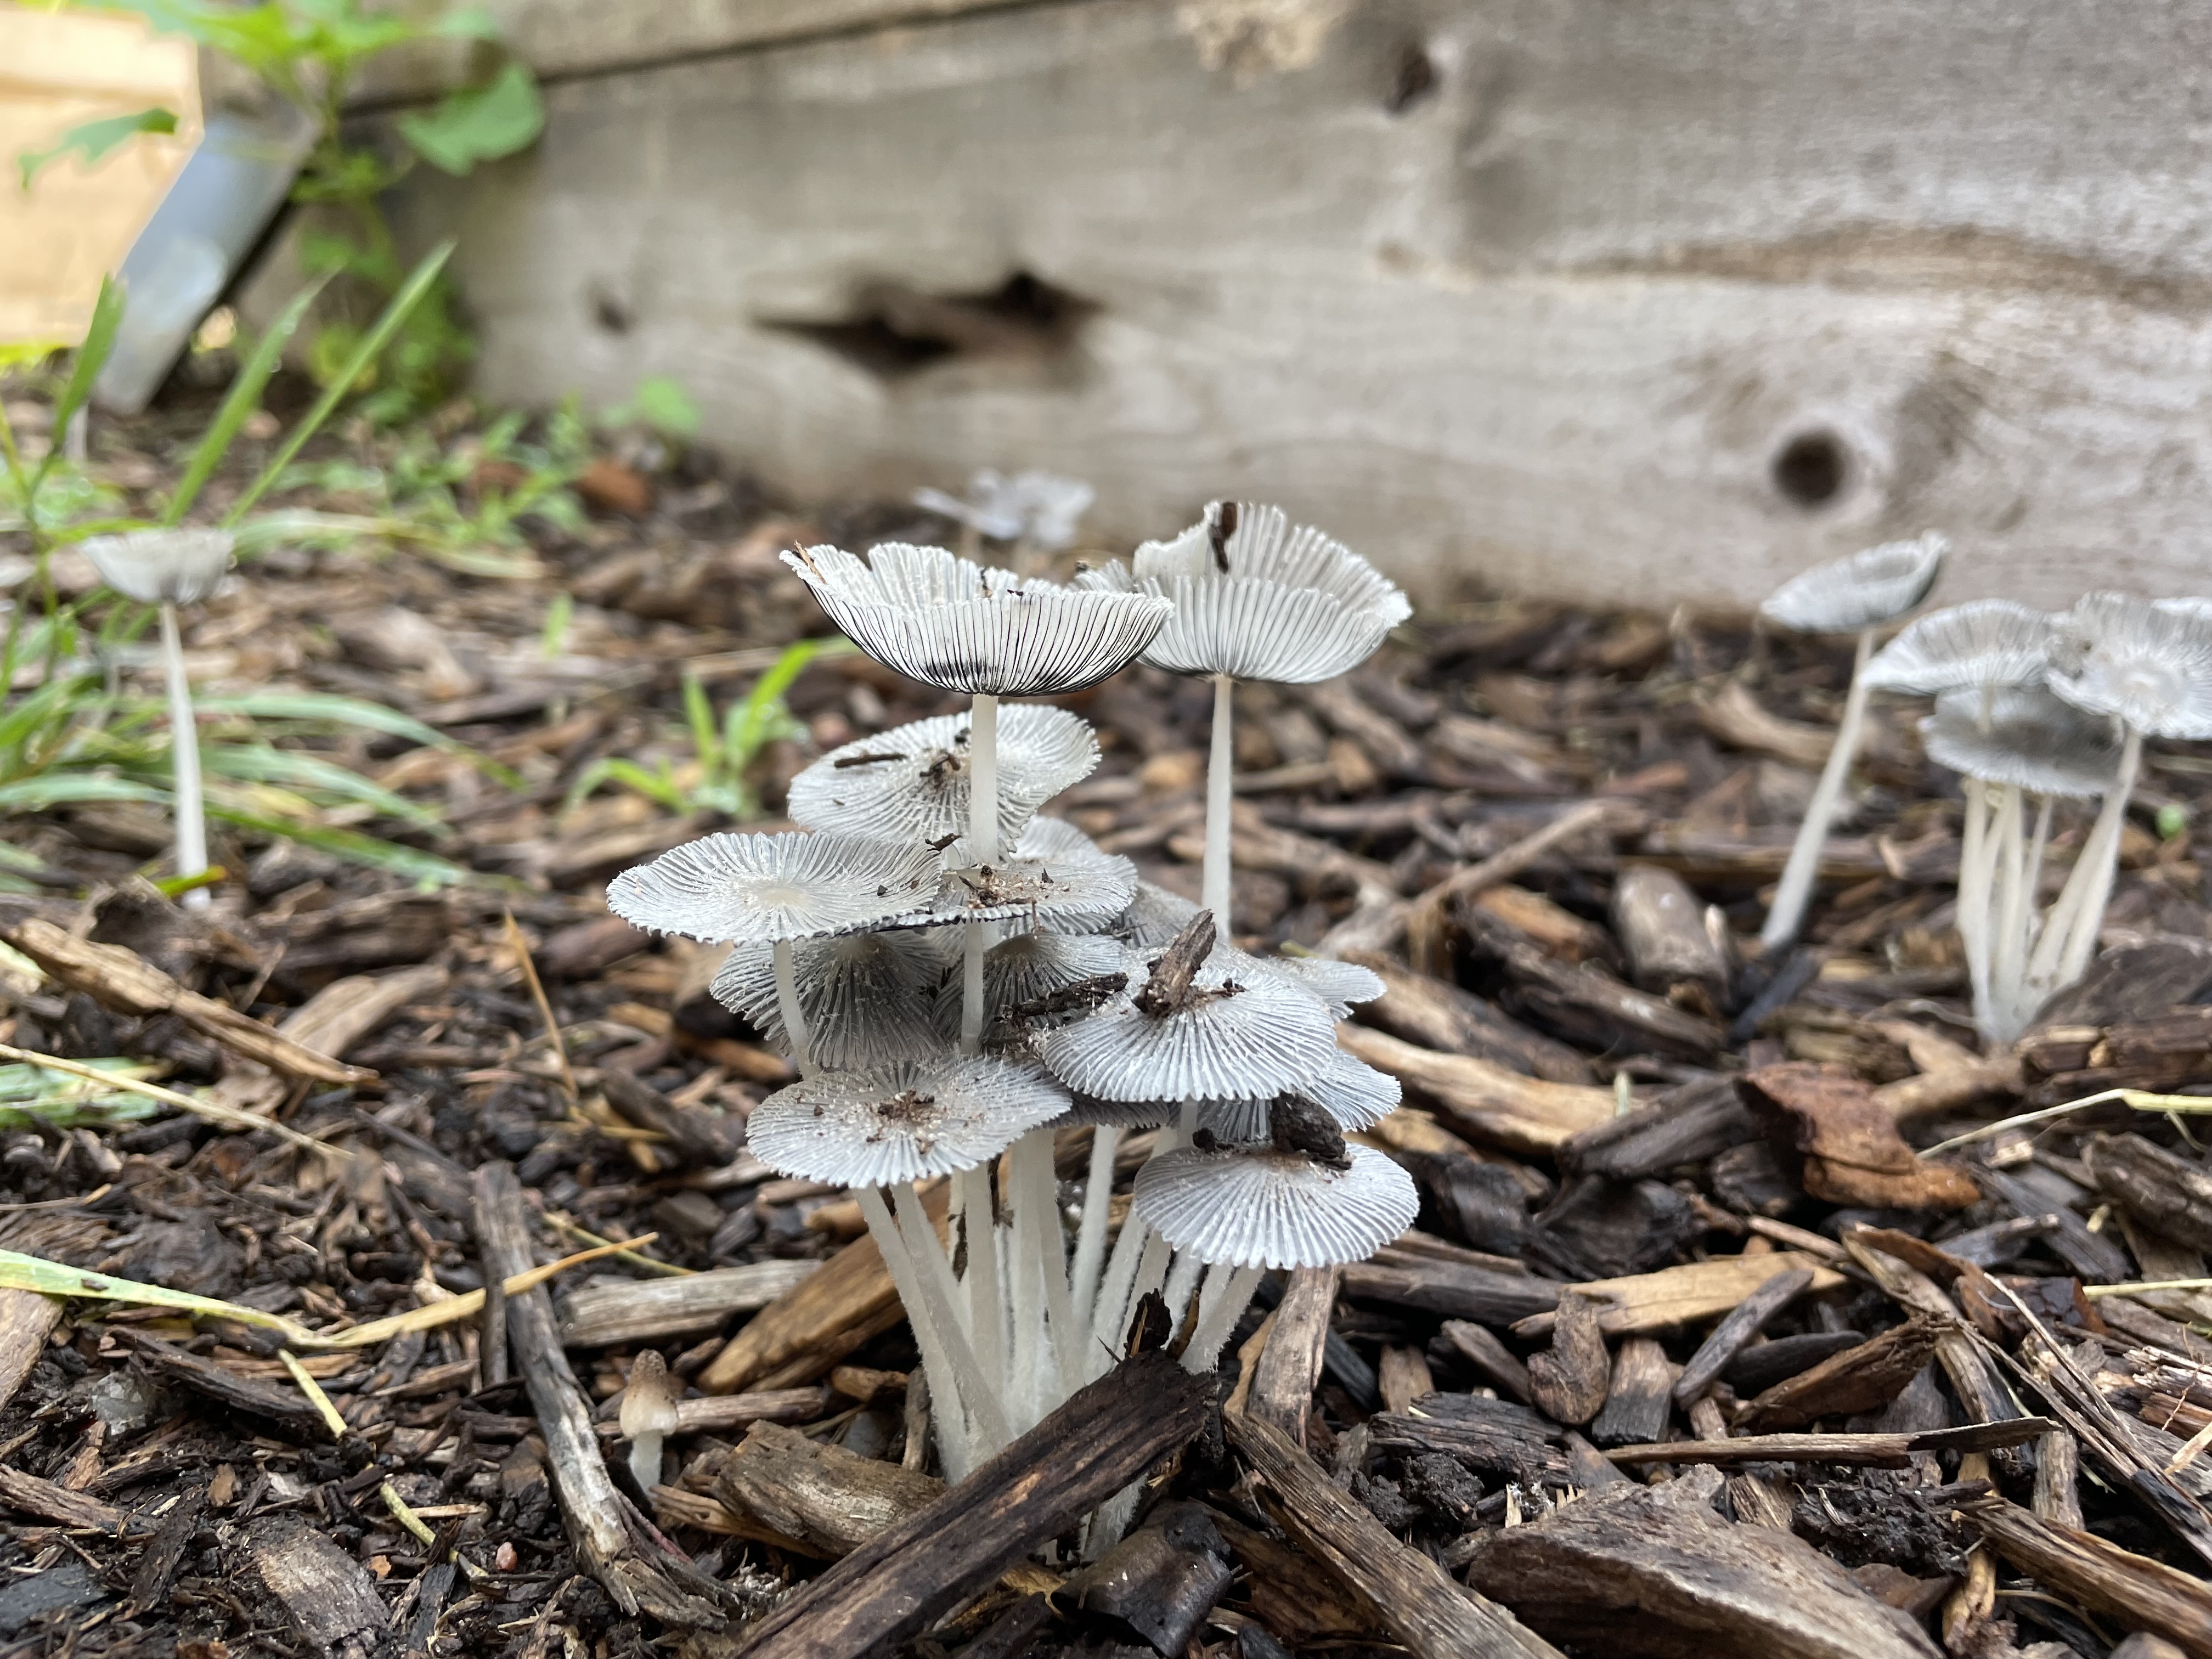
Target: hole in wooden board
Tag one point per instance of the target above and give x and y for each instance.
(1413, 79)
(609, 312)
(895, 330)
(1811, 468)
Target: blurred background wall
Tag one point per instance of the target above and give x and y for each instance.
(1644, 300)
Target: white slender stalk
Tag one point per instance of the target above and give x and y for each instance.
(184, 761)
(981, 1400)
(1187, 1120)
(1106, 1318)
(1182, 1286)
(1026, 1383)
(1036, 1199)
(786, 1004)
(1220, 795)
(2007, 913)
(983, 848)
(986, 1312)
(1973, 908)
(954, 1443)
(1152, 1274)
(1090, 1232)
(2081, 942)
(1228, 1292)
(1795, 891)
(1110, 1520)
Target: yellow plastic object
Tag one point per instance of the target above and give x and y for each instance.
(58, 70)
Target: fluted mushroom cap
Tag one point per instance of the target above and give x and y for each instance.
(739, 889)
(1055, 879)
(1873, 586)
(911, 784)
(1154, 917)
(1350, 1090)
(1029, 968)
(1042, 507)
(866, 997)
(2147, 664)
(1259, 599)
(1257, 1207)
(1984, 642)
(949, 621)
(2024, 737)
(906, 1121)
(1340, 984)
(181, 566)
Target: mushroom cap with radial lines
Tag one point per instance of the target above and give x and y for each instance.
(1154, 917)
(1265, 1037)
(951, 622)
(181, 566)
(1021, 970)
(866, 997)
(1056, 878)
(2030, 739)
(1041, 507)
(1265, 601)
(906, 1121)
(911, 784)
(1984, 642)
(738, 889)
(2148, 666)
(1349, 1089)
(1870, 586)
(1341, 985)
(1257, 1207)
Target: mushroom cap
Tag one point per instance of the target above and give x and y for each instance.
(1271, 602)
(2030, 739)
(911, 784)
(1026, 966)
(2148, 665)
(1118, 1114)
(1257, 1207)
(181, 566)
(1042, 507)
(1982, 642)
(1056, 878)
(902, 1121)
(949, 621)
(866, 997)
(1154, 917)
(1872, 586)
(649, 1402)
(1352, 1091)
(1264, 1038)
(739, 889)
(1339, 984)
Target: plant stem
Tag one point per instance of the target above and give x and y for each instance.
(786, 1003)
(1037, 1208)
(1220, 793)
(982, 1399)
(952, 1439)
(1973, 897)
(1795, 891)
(982, 849)
(2010, 902)
(184, 761)
(986, 1317)
(1091, 1233)
(1106, 1317)
(1228, 1292)
(2089, 920)
(1182, 1282)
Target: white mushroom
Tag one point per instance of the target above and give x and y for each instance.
(864, 998)
(649, 1417)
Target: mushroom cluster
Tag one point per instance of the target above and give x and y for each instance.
(957, 978)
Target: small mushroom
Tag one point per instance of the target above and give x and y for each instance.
(863, 997)
(648, 1416)
(1854, 595)
(1033, 509)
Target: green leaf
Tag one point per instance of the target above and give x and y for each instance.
(99, 341)
(66, 788)
(662, 404)
(481, 123)
(326, 705)
(262, 763)
(94, 141)
(30, 1273)
(467, 23)
(426, 868)
(243, 398)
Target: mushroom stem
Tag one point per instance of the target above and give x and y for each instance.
(952, 1437)
(1090, 1232)
(184, 761)
(2102, 853)
(1220, 790)
(983, 848)
(1036, 1207)
(786, 1004)
(1228, 1292)
(1973, 901)
(1106, 1318)
(984, 1406)
(1182, 1283)
(645, 1461)
(1787, 915)
(2009, 916)
(986, 1312)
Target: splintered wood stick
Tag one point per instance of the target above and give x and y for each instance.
(1485, 1101)
(917, 1570)
(1433, 1616)
(1289, 1367)
(27, 1319)
(2140, 1593)
(1887, 1451)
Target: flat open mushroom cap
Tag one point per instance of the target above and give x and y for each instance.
(1352, 1091)
(1265, 1037)
(949, 621)
(1042, 508)
(1154, 917)
(1261, 1208)
(902, 1121)
(2148, 665)
(910, 784)
(866, 997)
(1055, 879)
(1982, 642)
(734, 888)
(1870, 586)
(180, 566)
(2027, 737)
(1030, 969)
(1259, 599)
(1341, 985)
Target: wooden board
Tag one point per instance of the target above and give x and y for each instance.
(58, 69)
(1657, 302)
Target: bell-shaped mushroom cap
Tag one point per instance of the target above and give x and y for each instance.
(1154, 917)
(1028, 970)
(2149, 665)
(2025, 736)
(1056, 879)
(949, 621)
(902, 1121)
(910, 784)
(734, 889)
(1239, 1037)
(1982, 642)
(1258, 599)
(648, 1401)
(182, 567)
(1262, 1208)
(2186, 606)
(1339, 984)
(1041, 507)
(1870, 586)
(1352, 1091)
(866, 997)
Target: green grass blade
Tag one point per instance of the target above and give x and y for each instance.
(426, 868)
(373, 342)
(262, 763)
(99, 341)
(67, 788)
(326, 706)
(243, 398)
(31, 1272)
